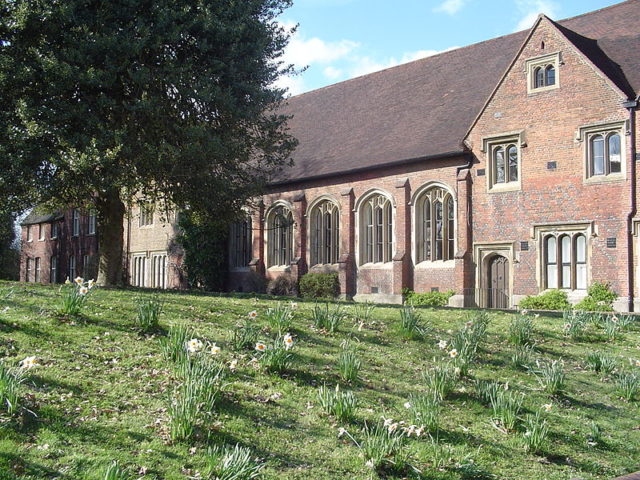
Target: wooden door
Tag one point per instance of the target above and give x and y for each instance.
(498, 276)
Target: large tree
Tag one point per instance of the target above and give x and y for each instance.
(104, 101)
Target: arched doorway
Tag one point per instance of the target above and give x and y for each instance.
(498, 282)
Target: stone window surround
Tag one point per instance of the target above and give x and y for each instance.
(553, 59)
(269, 232)
(318, 203)
(540, 231)
(584, 133)
(360, 225)
(483, 252)
(489, 142)
(415, 227)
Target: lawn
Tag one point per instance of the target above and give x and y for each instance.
(102, 390)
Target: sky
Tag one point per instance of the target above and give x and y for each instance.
(341, 39)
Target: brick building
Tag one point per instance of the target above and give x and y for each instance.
(496, 170)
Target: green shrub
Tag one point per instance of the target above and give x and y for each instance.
(428, 299)
(283, 285)
(550, 300)
(320, 285)
(599, 298)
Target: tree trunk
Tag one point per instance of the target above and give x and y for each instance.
(111, 212)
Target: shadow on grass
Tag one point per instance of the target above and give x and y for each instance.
(15, 465)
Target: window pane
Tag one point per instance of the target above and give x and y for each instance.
(566, 249)
(427, 231)
(566, 276)
(513, 163)
(389, 239)
(614, 153)
(581, 276)
(551, 250)
(550, 74)
(450, 229)
(499, 163)
(378, 235)
(581, 249)
(439, 226)
(552, 276)
(597, 155)
(538, 77)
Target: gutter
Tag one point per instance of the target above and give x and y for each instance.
(408, 161)
(631, 105)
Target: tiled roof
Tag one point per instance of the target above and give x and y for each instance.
(36, 217)
(422, 109)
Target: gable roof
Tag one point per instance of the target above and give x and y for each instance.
(422, 109)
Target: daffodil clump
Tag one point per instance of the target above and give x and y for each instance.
(383, 446)
(74, 295)
(276, 356)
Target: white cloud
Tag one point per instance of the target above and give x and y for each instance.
(530, 9)
(332, 73)
(302, 51)
(293, 84)
(450, 7)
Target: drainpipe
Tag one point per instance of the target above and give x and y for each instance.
(631, 105)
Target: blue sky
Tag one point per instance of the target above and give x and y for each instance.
(342, 39)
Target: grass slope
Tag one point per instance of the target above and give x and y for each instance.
(102, 390)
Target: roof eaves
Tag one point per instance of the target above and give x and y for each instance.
(368, 168)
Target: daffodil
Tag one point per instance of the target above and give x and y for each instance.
(288, 341)
(91, 283)
(28, 363)
(547, 407)
(637, 363)
(253, 314)
(79, 280)
(442, 344)
(233, 364)
(260, 347)
(341, 432)
(524, 311)
(294, 306)
(67, 281)
(407, 405)
(83, 290)
(215, 349)
(194, 345)
(453, 353)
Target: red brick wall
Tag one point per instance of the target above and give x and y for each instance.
(550, 120)
(399, 183)
(62, 247)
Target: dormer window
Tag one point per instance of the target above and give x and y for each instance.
(542, 72)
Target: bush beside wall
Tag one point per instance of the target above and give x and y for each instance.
(320, 285)
(428, 299)
(551, 300)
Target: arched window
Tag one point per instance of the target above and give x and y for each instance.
(435, 225)
(505, 163)
(549, 75)
(325, 233)
(604, 151)
(551, 261)
(538, 77)
(565, 261)
(280, 237)
(240, 243)
(376, 232)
